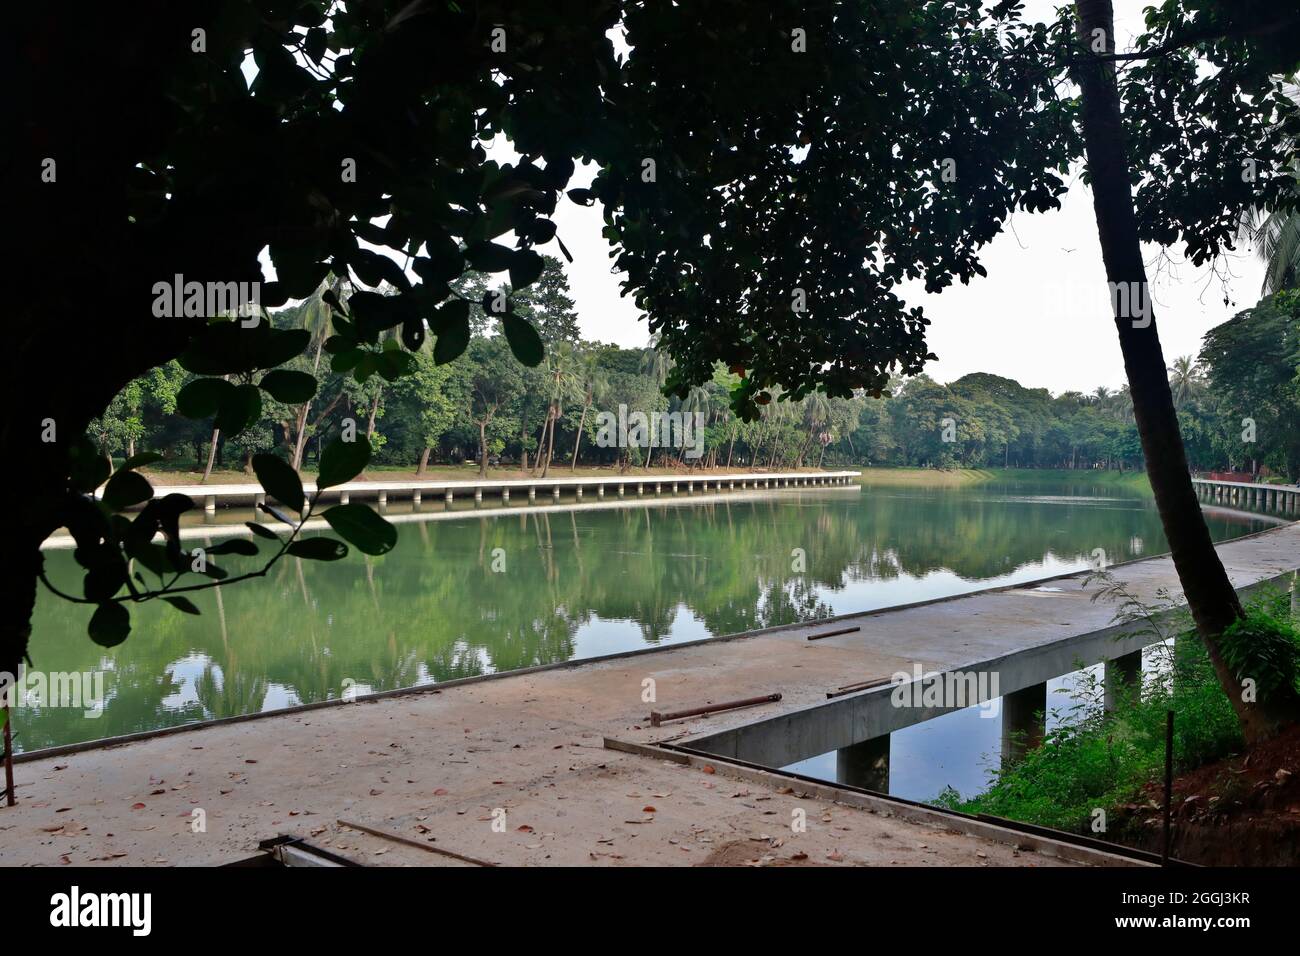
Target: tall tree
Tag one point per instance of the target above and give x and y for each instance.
(1210, 595)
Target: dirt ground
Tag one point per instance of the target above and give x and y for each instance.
(1243, 810)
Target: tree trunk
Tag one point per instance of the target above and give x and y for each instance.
(482, 449)
(1210, 596)
(424, 462)
(212, 455)
(552, 414)
(374, 410)
(582, 422)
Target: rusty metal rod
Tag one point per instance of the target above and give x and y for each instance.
(657, 718)
(407, 841)
(843, 630)
(9, 757)
(860, 685)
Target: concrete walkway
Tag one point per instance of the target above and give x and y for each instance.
(440, 765)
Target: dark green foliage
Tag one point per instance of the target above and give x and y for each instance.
(1265, 650)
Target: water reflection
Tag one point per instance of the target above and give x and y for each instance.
(575, 583)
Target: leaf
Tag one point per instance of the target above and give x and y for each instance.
(451, 343)
(362, 528)
(489, 256)
(290, 387)
(583, 197)
(526, 267)
(88, 468)
(524, 340)
(105, 578)
(280, 481)
(262, 531)
(202, 397)
(342, 461)
(182, 604)
(109, 625)
(239, 410)
(126, 488)
(318, 549)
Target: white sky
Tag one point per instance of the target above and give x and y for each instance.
(1041, 316)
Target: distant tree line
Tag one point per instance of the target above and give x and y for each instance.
(1238, 405)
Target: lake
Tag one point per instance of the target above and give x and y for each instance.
(503, 587)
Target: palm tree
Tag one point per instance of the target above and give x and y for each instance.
(1185, 380)
(1276, 234)
(593, 383)
(699, 399)
(561, 372)
(816, 413)
(1277, 242)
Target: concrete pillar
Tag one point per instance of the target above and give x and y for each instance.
(1123, 678)
(659, 487)
(478, 495)
(865, 764)
(690, 486)
(532, 492)
(674, 487)
(258, 501)
(1023, 713)
(555, 493)
(210, 504)
(345, 497)
(505, 495)
(620, 489)
(578, 492)
(600, 491)
(447, 496)
(415, 498)
(640, 487)
(383, 500)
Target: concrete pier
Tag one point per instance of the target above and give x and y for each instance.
(1023, 721)
(865, 764)
(1122, 679)
(1270, 499)
(213, 496)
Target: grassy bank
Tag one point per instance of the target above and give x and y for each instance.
(1120, 479)
(921, 477)
(944, 478)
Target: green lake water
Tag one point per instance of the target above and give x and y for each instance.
(577, 582)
